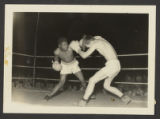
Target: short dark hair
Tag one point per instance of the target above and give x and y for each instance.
(61, 40)
(88, 37)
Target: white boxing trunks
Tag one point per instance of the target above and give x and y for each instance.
(69, 68)
(112, 67)
(110, 70)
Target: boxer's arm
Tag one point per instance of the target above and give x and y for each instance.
(74, 45)
(56, 58)
(84, 55)
(56, 55)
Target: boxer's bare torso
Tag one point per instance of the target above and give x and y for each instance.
(65, 56)
(102, 46)
(105, 49)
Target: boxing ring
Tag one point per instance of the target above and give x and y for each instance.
(35, 93)
(33, 76)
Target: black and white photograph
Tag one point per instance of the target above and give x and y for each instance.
(79, 59)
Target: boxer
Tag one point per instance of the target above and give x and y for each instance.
(108, 72)
(68, 64)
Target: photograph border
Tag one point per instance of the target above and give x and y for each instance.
(8, 107)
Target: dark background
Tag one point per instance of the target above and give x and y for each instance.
(37, 33)
(82, 2)
(128, 33)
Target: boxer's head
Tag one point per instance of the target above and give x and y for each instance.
(63, 43)
(86, 40)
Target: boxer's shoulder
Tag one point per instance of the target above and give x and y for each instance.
(98, 37)
(73, 42)
(56, 51)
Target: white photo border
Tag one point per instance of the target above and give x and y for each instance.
(12, 107)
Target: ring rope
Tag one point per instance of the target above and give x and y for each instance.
(136, 83)
(121, 55)
(139, 54)
(21, 54)
(121, 68)
(22, 66)
(77, 81)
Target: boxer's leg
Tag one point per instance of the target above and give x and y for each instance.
(80, 76)
(115, 66)
(57, 87)
(108, 87)
(98, 76)
(60, 84)
(114, 90)
(112, 70)
(78, 73)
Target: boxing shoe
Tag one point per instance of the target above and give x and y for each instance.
(93, 97)
(82, 103)
(48, 97)
(126, 99)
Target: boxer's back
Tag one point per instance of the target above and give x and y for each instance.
(105, 48)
